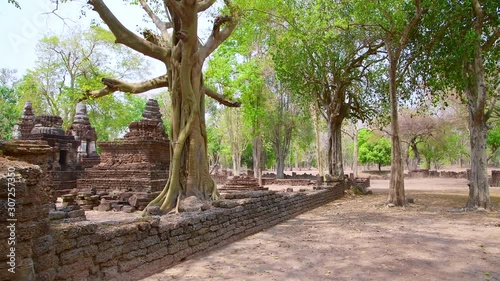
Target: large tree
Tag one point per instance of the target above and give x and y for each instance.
(394, 22)
(176, 45)
(283, 119)
(326, 61)
(415, 129)
(462, 39)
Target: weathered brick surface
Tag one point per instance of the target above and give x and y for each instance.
(133, 250)
(30, 219)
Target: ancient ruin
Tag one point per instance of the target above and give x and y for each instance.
(82, 131)
(137, 163)
(241, 183)
(62, 164)
(128, 174)
(133, 169)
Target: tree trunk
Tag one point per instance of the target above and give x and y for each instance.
(479, 194)
(335, 162)
(417, 158)
(183, 55)
(236, 166)
(257, 157)
(280, 165)
(396, 186)
(296, 160)
(189, 170)
(318, 141)
(355, 153)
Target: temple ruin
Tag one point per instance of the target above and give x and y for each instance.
(62, 164)
(132, 170)
(82, 131)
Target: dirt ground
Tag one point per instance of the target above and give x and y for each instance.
(358, 238)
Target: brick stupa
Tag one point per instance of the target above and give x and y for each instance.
(137, 163)
(82, 131)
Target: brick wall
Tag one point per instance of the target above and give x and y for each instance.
(137, 249)
(26, 222)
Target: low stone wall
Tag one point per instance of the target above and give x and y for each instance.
(137, 249)
(293, 176)
(219, 179)
(289, 182)
(423, 173)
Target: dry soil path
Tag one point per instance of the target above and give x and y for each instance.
(358, 238)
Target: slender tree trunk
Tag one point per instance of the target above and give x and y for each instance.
(280, 166)
(396, 186)
(296, 160)
(335, 161)
(417, 158)
(355, 153)
(236, 168)
(257, 157)
(479, 194)
(318, 141)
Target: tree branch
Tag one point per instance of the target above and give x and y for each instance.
(114, 85)
(161, 25)
(174, 7)
(479, 12)
(204, 4)
(220, 98)
(218, 36)
(414, 21)
(125, 36)
(493, 38)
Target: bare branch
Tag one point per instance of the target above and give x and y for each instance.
(127, 37)
(161, 25)
(115, 85)
(204, 4)
(220, 98)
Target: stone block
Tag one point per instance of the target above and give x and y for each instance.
(46, 262)
(128, 209)
(128, 265)
(76, 214)
(66, 272)
(57, 215)
(111, 253)
(43, 244)
(104, 206)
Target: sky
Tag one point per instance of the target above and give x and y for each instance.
(21, 29)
